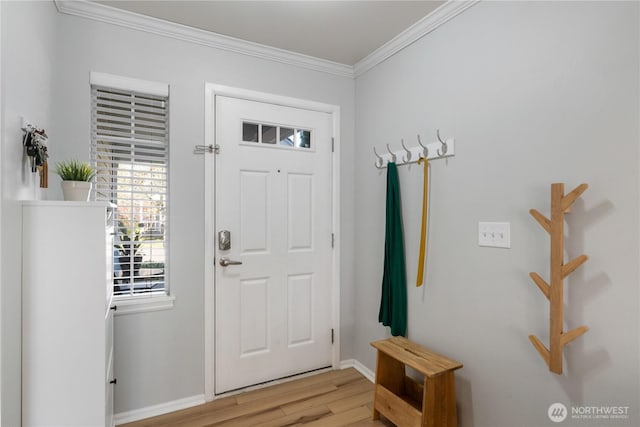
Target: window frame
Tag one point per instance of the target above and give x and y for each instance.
(153, 301)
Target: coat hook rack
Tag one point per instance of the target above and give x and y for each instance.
(434, 150)
(554, 291)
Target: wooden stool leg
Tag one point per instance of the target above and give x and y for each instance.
(389, 374)
(439, 401)
(450, 402)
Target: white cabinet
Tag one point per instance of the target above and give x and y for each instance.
(67, 320)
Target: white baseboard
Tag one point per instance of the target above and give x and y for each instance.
(358, 366)
(161, 409)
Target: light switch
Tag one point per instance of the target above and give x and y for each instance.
(494, 234)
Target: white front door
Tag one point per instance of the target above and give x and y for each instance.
(273, 311)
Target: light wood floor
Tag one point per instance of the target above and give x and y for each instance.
(330, 399)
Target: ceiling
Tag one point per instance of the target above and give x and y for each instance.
(340, 31)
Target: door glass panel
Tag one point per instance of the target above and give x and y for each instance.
(303, 138)
(269, 134)
(286, 137)
(276, 135)
(249, 132)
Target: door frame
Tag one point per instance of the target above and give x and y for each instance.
(211, 91)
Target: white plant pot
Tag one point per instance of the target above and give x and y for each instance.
(76, 191)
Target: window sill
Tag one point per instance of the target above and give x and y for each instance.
(143, 304)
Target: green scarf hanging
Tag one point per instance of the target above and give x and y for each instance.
(393, 303)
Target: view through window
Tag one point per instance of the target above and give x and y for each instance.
(129, 149)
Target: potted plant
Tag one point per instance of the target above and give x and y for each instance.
(76, 179)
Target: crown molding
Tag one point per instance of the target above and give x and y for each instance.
(429, 23)
(123, 18)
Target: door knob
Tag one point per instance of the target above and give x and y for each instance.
(226, 261)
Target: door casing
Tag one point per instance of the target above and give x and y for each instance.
(211, 91)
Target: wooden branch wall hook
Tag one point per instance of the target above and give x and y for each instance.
(554, 290)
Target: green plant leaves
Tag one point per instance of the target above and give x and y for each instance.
(74, 170)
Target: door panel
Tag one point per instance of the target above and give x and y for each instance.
(254, 309)
(300, 309)
(273, 193)
(300, 201)
(254, 214)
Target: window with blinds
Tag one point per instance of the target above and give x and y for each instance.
(130, 151)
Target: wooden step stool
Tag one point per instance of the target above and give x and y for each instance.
(404, 401)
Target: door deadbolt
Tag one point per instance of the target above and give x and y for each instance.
(224, 240)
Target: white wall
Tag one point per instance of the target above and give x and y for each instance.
(28, 75)
(160, 355)
(534, 93)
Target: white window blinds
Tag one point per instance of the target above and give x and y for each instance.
(130, 151)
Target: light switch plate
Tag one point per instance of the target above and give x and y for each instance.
(494, 234)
